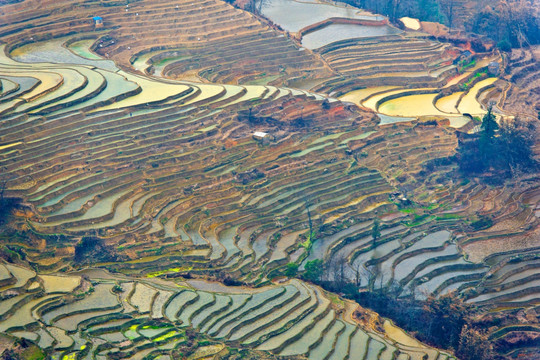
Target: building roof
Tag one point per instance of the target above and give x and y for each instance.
(96, 18)
(259, 134)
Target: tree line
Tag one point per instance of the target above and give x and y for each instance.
(513, 23)
(509, 23)
(498, 151)
(444, 322)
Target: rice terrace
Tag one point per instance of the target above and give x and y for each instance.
(270, 179)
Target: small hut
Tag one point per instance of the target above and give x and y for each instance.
(98, 21)
(494, 68)
(262, 137)
(467, 54)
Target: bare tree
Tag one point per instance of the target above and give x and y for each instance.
(373, 272)
(2, 189)
(375, 231)
(336, 271)
(256, 6)
(359, 273)
(448, 8)
(394, 8)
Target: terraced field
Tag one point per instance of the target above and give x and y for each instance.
(406, 77)
(141, 152)
(103, 317)
(521, 94)
(383, 69)
(179, 39)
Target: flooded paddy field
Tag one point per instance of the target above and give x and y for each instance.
(338, 32)
(177, 182)
(294, 15)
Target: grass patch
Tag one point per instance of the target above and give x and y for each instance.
(448, 217)
(466, 85)
(407, 211)
(420, 219)
(336, 300)
(306, 244)
(34, 353)
(166, 271)
(166, 336)
(463, 64)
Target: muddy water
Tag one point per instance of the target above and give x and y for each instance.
(458, 121)
(385, 119)
(469, 104)
(358, 96)
(141, 63)
(371, 101)
(295, 15)
(82, 48)
(412, 105)
(152, 91)
(54, 51)
(338, 32)
(448, 103)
